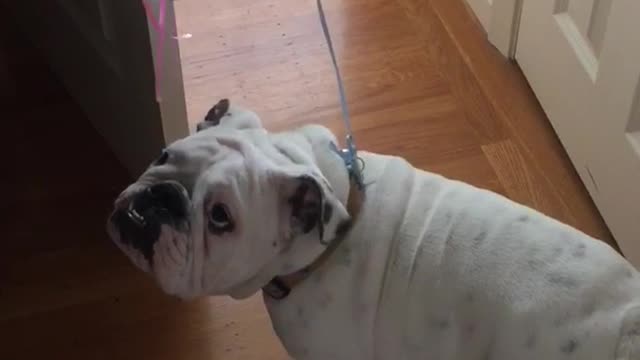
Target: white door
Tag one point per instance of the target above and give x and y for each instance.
(102, 51)
(582, 59)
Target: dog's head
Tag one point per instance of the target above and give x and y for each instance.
(225, 210)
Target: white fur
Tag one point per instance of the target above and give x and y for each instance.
(432, 269)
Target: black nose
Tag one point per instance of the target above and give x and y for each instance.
(161, 200)
(139, 223)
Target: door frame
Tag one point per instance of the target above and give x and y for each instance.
(144, 126)
(504, 25)
(171, 98)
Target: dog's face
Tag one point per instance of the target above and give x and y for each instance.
(225, 210)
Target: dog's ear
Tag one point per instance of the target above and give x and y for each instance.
(310, 205)
(302, 200)
(223, 114)
(214, 115)
(306, 202)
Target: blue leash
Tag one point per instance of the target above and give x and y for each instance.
(350, 154)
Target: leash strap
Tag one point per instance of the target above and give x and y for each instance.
(280, 286)
(349, 155)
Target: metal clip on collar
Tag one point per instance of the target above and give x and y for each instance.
(350, 157)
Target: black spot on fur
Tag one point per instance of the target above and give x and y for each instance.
(440, 324)
(327, 213)
(480, 237)
(523, 218)
(345, 256)
(555, 255)
(531, 341)
(443, 324)
(557, 251)
(629, 273)
(588, 308)
(562, 319)
(448, 217)
(305, 205)
(569, 347)
(580, 251)
(470, 330)
(562, 280)
(634, 330)
(534, 264)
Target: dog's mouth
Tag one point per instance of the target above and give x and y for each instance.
(138, 219)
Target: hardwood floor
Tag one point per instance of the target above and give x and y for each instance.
(422, 82)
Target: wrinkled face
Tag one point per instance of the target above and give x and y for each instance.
(224, 211)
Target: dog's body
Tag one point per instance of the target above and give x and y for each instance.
(431, 269)
(437, 269)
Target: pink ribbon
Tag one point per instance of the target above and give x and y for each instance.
(158, 25)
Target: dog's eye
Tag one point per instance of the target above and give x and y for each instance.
(164, 157)
(220, 220)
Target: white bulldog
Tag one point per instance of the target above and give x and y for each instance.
(429, 268)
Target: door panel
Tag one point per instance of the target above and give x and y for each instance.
(583, 63)
(583, 24)
(102, 52)
(598, 24)
(579, 11)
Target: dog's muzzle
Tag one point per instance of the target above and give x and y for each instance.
(139, 218)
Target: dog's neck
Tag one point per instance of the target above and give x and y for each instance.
(308, 143)
(281, 286)
(350, 194)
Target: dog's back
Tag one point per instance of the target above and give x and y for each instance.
(470, 274)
